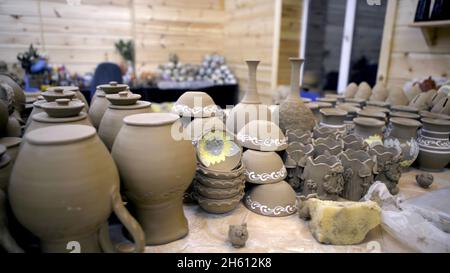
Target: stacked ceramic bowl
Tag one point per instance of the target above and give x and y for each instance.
(264, 168)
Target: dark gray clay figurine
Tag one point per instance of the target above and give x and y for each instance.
(238, 235)
(425, 180)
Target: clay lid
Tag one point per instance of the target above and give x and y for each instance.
(62, 108)
(333, 112)
(263, 167)
(56, 135)
(38, 103)
(377, 109)
(275, 200)
(350, 108)
(404, 108)
(262, 135)
(138, 105)
(57, 93)
(371, 114)
(195, 104)
(354, 100)
(427, 114)
(334, 96)
(44, 117)
(65, 88)
(406, 122)
(123, 98)
(323, 104)
(151, 119)
(442, 122)
(368, 122)
(112, 87)
(404, 115)
(379, 104)
(10, 142)
(327, 100)
(312, 105)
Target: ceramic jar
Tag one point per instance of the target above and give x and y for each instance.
(99, 103)
(19, 94)
(364, 91)
(295, 162)
(273, 200)
(443, 92)
(262, 135)
(388, 166)
(57, 93)
(404, 115)
(68, 194)
(122, 105)
(263, 167)
(359, 170)
(334, 119)
(397, 97)
(403, 137)
(434, 144)
(351, 90)
(381, 104)
(367, 113)
(250, 108)
(379, 93)
(13, 128)
(293, 114)
(76, 90)
(156, 166)
(36, 110)
(404, 108)
(371, 130)
(323, 176)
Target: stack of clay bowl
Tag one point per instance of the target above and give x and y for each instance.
(270, 195)
(99, 103)
(61, 111)
(121, 105)
(219, 183)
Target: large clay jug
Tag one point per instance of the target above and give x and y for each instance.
(99, 103)
(156, 166)
(294, 115)
(250, 108)
(77, 92)
(119, 109)
(66, 196)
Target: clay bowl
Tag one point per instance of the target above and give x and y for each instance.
(113, 88)
(359, 102)
(372, 114)
(219, 194)
(208, 173)
(404, 108)
(329, 100)
(427, 114)
(123, 98)
(219, 183)
(404, 115)
(262, 135)
(219, 206)
(63, 108)
(57, 93)
(263, 167)
(382, 104)
(195, 104)
(377, 109)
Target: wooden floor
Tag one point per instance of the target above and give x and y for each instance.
(209, 233)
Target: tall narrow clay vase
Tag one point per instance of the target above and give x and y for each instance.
(294, 115)
(66, 196)
(156, 166)
(434, 144)
(250, 108)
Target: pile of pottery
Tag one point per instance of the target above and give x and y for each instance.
(12, 106)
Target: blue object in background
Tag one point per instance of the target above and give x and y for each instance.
(38, 67)
(105, 73)
(28, 87)
(309, 95)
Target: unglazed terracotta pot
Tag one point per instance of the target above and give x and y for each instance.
(217, 193)
(250, 108)
(13, 128)
(42, 120)
(359, 171)
(388, 166)
(403, 137)
(427, 114)
(333, 118)
(351, 90)
(68, 194)
(379, 93)
(12, 145)
(98, 108)
(195, 104)
(397, 97)
(156, 166)
(75, 89)
(382, 104)
(273, 200)
(356, 102)
(112, 120)
(371, 130)
(294, 115)
(263, 167)
(19, 94)
(7, 242)
(404, 108)
(262, 135)
(434, 144)
(364, 91)
(323, 176)
(5, 168)
(314, 107)
(404, 115)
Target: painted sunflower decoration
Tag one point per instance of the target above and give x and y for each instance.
(214, 148)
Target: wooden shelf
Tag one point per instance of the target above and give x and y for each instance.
(429, 29)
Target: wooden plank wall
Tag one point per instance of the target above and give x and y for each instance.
(409, 56)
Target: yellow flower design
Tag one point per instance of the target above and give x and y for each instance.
(214, 148)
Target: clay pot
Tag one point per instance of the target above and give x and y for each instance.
(250, 108)
(403, 137)
(404, 115)
(331, 144)
(13, 128)
(294, 115)
(7, 242)
(412, 92)
(68, 194)
(195, 104)
(299, 136)
(442, 107)
(443, 92)
(386, 111)
(155, 184)
(36, 110)
(381, 104)
(262, 135)
(397, 97)
(404, 108)
(323, 176)
(57, 93)
(364, 91)
(379, 93)
(63, 108)
(113, 88)
(295, 162)
(333, 118)
(76, 90)
(356, 102)
(388, 166)
(371, 130)
(112, 120)
(351, 90)
(123, 98)
(434, 144)
(332, 101)
(273, 200)
(263, 167)
(218, 194)
(12, 145)
(423, 100)
(219, 206)
(354, 142)
(427, 114)
(19, 94)
(359, 170)
(368, 113)
(42, 120)
(98, 108)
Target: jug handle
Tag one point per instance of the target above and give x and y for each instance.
(128, 221)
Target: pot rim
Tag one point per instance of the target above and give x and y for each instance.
(151, 119)
(57, 135)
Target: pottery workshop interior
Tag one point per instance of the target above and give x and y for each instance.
(224, 126)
